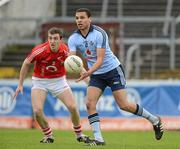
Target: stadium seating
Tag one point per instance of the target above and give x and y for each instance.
(155, 59)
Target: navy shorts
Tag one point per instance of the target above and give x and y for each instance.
(115, 79)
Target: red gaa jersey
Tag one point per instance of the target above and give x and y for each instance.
(48, 64)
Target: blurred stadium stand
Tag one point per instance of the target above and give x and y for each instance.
(144, 35)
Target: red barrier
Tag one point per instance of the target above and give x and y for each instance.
(133, 124)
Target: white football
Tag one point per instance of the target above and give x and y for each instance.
(73, 64)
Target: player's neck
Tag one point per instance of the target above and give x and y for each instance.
(85, 31)
(54, 50)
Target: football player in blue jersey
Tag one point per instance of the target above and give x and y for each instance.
(104, 70)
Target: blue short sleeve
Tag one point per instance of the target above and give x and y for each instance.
(101, 40)
(72, 43)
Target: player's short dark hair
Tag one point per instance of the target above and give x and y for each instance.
(55, 30)
(86, 10)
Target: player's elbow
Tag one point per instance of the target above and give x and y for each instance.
(26, 62)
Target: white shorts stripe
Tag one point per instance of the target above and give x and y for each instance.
(121, 74)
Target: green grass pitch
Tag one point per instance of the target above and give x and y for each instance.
(29, 139)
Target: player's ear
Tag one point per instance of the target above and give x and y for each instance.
(90, 19)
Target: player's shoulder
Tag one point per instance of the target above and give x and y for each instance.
(99, 33)
(98, 29)
(64, 47)
(75, 34)
(41, 46)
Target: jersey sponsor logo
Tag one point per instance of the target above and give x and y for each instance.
(91, 58)
(7, 104)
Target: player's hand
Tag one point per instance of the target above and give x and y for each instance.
(83, 75)
(18, 90)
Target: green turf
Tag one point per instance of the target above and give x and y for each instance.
(29, 139)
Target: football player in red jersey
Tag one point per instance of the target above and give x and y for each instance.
(49, 75)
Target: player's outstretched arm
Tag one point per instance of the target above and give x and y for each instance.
(86, 80)
(23, 72)
(76, 76)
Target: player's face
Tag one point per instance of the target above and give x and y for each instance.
(54, 41)
(82, 21)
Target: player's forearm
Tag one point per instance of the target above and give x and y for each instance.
(99, 61)
(95, 66)
(23, 72)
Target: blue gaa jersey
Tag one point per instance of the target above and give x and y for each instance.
(96, 38)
